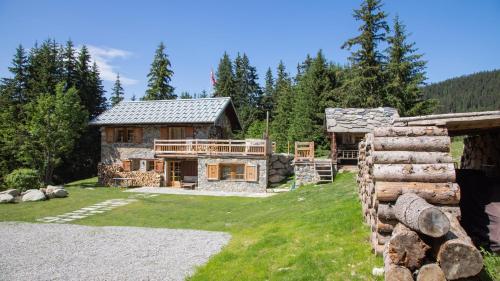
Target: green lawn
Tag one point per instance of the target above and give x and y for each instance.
(457, 149)
(313, 233)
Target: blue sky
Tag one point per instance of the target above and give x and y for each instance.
(457, 36)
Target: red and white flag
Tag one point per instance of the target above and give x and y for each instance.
(212, 77)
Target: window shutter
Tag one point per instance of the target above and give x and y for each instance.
(189, 131)
(138, 135)
(251, 172)
(213, 171)
(126, 164)
(159, 166)
(110, 136)
(164, 133)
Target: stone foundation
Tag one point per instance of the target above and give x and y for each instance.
(305, 173)
(236, 185)
(482, 152)
(106, 173)
(280, 167)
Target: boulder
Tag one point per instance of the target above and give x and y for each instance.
(278, 165)
(276, 178)
(6, 198)
(33, 195)
(51, 188)
(60, 193)
(12, 192)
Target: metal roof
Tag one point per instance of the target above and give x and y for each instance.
(179, 111)
(358, 120)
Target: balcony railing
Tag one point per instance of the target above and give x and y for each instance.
(304, 151)
(194, 147)
(347, 154)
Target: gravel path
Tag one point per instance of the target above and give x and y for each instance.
(73, 252)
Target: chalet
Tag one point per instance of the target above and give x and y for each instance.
(346, 127)
(180, 143)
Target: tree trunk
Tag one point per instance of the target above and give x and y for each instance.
(456, 254)
(421, 216)
(386, 211)
(436, 193)
(414, 172)
(409, 131)
(430, 272)
(410, 157)
(438, 144)
(405, 248)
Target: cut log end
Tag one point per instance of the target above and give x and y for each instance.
(433, 222)
(397, 273)
(430, 272)
(452, 257)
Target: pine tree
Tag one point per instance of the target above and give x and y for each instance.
(365, 85)
(185, 95)
(406, 75)
(159, 77)
(98, 98)
(283, 109)
(117, 93)
(69, 63)
(133, 97)
(224, 87)
(15, 88)
(268, 99)
(45, 69)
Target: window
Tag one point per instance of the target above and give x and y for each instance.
(177, 133)
(232, 171)
(124, 135)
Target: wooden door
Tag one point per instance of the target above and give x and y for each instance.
(175, 176)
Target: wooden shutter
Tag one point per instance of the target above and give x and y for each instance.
(189, 132)
(164, 133)
(126, 164)
(138, 135)
(213, 171)
(250, 172)
(110, 136)
(159, 166)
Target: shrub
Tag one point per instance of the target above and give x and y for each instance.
(22, 179)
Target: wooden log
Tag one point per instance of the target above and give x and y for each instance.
(397, 273)
(405, 248)
(430, 272)
(385, 226)
(421, 216)
(434, 173)
(438, 144)
(409, 131)
(436, 193)
(409, 157)
(456, 254)
(386, 211)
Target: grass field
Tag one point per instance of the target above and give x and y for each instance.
(313, 233)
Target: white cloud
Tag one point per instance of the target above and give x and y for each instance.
(104, 58)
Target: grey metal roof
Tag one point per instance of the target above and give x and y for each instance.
(206, 110)
(358, 120)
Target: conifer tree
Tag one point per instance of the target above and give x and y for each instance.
(185, 95)
(15, 88)
(268, 98)
(117, 93)
(133, 97)
(283, 109)
(406, 75)
(224, 87)
(44, 69)
(248, 94)
(69, 63)
(365, 85)
(159, 77)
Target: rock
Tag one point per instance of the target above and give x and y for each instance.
(60, 193)
(12, 192)
(276, 178)
(6, 198)
(278, 165)
(33, 195)
(51, 188)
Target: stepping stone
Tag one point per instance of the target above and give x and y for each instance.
(96, 212)
(77, 217)
(68, 219)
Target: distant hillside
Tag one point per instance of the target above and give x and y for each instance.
(475, 92)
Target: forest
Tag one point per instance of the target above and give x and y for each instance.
(475, 92)
(54, 90)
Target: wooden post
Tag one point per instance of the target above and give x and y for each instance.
(333, 147)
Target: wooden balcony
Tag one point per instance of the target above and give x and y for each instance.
(304, 151)
(213, 147)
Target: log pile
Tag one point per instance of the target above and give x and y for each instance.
(409, 198)
(107, 173)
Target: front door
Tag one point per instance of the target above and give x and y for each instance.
(174, 175)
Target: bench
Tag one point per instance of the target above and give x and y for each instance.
(189, 182)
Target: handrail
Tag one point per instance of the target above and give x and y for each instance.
(211, 147)
(304, 151)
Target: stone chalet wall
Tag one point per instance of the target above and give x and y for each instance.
(232, 186)
(106, 173)
(482, 152)
(280, 167)
(113, 153)
(305, 173)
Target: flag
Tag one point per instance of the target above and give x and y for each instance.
(212, 77)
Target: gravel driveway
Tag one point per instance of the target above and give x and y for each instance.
(73, 252)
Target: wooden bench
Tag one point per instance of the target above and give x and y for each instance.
(189, 182)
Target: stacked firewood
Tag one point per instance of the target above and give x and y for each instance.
(107, 175)
(410, 200)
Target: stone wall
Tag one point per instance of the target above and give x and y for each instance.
(482, 152)
(305, 173)
(232, 186)
(106, 173)
(280, 167)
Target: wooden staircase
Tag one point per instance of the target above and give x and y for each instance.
(324, 168)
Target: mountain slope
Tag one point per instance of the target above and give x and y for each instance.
(475, 92)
